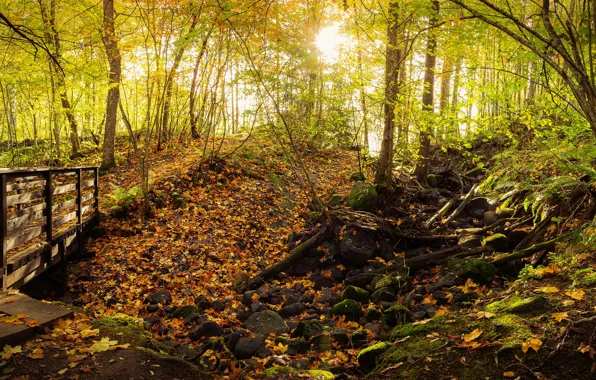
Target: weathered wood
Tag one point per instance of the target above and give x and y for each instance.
(294, 256)
(25, 185)
(530, 251)
(13, 200)
(3, 228)
(64, 189)
(24, 220)
(434, 258)
(41, 207)
(24, 236)
(462, 205)
(440, 213)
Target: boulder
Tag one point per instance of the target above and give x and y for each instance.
(477, 207)
(515, 237)
(385, 294)
(205, 329)
(396, 315)
(469, 241)
(489, 218)
(184, 311)
(373, 315)
(363, 196)
(266, 322)
(478, 270)
(394, 280)
(308, 328)
(357, 247)
(505, 212)
(355, 293)
(496, 242)
(161, 296)
(368, 357)
(357, 176)
(341, 337)
(350, 308)
(246, 348)
(519, 305)
(291, 310)
(232, 339)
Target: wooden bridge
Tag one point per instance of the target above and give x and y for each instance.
(45, 216)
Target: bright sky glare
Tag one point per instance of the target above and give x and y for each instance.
(329, 41)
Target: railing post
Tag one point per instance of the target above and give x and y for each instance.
(49, 198)
(79, 211)
(3, 229)
(96, 192)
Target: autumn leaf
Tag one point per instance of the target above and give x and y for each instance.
(586, 349)
(32, 323)
(9, 351)
(533, 343)
(472, 336)
(422, 322)
(89, 333)
(485, 315)
(548, 289)
(101, 345)
(62, 371)
(509, 374)
(560, 316)
(281, 348)
(36, 354)
(577, 294)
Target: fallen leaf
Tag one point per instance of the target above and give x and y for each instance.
(586, 349)
(509, 374)
(36, 354)
(533, 343)
(548, 289)
(485, 315)
(472, 336)
(422, 322)
(62, 371)
(577, 294)
(560, 316)
(101, 345)
(9, 351)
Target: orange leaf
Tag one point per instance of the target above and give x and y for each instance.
(472, 336)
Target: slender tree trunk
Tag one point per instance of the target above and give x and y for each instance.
(428, 95)
(193, 88)
(115, 60)
(392, 63)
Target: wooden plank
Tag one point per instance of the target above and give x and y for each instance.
(25, 236)
(62, 220)
(25, 185)
(24, 220)
(86, 209)
(13, 200)
(25, 211)
(88, 183)
(3, 225)
(56, 208)
(64, 189)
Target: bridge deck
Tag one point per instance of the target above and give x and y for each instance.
(45, 216)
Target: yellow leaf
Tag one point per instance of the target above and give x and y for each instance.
(509, 374)
(485, 315)
(534, 344)
(560, 316)
(472, 336)
(281, 348)
(422, 322)
(585, 349)
(341, 356)
(62, 371)
(9, 351)
(101, 345)
(577, 294)
(89, 333)
(36, 354)
(548, 289)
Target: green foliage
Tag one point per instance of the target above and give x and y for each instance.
(120, 200)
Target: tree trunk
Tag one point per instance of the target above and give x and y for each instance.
(392, 63)
(115, 60)
(428, 95)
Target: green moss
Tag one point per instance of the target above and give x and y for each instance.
(512, 330)
(363, 196)
(381, 346)
(127, 329)
(518, 305)
(584, 277)
(357, 176)
(373, 315)
(494, 237)
(431, 180)
(410, 329)
(392, 280)
(409, 351)
(320, 374)
(280, 372)
(396, 315)
(355, 293)
(350, 308)
(478, 270)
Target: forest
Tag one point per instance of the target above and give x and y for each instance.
(285, 189)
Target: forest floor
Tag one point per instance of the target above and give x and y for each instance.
(159, 298)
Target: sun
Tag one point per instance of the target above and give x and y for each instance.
(328, 42)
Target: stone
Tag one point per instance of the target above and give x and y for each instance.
(350, 308)
(518, 305)
(505, 212)
(307, 298)
(247, 298)
(242, 314)
(464, 299)
(363, 196)
(335, 200)
(338, 274)
(386, 250)
(445, 281)
(320, 281)
(489, 218)
(395, 280)
(477, 207)
(480, 271)
(469, 241)
(305, 266)
(368, 357)
(341, 337)
(161, 296)
(263, 353)
(357, 247)
(291, 310)
(203, 302)
(265, 322)
(150, 321)
(355, 293)
(186, 352)
(396, 315)
(373, 315)
(152, 308)
(308, 328)
(362, 280)
(324, 342)
(291, 296)
(497, 242)
(515, 237)
(205, 329)
(359, 338)
(419, 315)
(441, 297)
(257, 306)
(232, 339)
(246, 348)
(385, 294)
(357, 176)
(184, 311)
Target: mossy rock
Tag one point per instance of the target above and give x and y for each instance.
(480, 271)
(126, 329)
(511, 330)
(363, 196)
(431, 180)
(518, 305)
(355, 293)
(373, 315)
(409, 329)
(497, 242)
(396, 280)
(350, 308)
(383, 295)
(184, 311)
(396, 315)
(505, 212)
(289, 372)
(335, 200)
(308, 329)
(368, 357)
(357, 176)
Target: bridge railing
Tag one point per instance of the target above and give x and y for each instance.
(39, 207)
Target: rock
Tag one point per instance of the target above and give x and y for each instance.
(338, 274)
(291, 310)
(480, 271)
(395, 280)
(335, 200)
(320, 281)
(419, 315)
(246, 348)
(291, 296)
(355, 293)
(383, 295)
(464, 299)
(308, 328)
(515, 237)
(506, 212)
(441, 297)
(497, 242)
(162, 296)
(489, 218)
(239, 280)
(363, 196)
(152, 308)
(186, 352)
(357, 176)
(362, 280)
(350, 308)
(150, 321)
(205, 329)
(357, 247)
(396, 315)
(368, 357)
(247, 298)
(518, 305)
(203, 302)
(359, 338)
(469, 241)
(281, 373)
(184, 311)
(300, 364)
(323, 342)
(477, 207)
(263, 353)
(257, 306)
(232, 339)
(386, 250)
(265, 322)
(341, 337)
(373, 315)
(242, 314)
(305, 266)
(307, 298)
(192, 317)
(445, 281)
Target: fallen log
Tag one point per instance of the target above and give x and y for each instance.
(530, 251)
(440, 213)
(434, 258)
(294, 256)
(462, 205)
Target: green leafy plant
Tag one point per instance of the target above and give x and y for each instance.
(119, 201)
